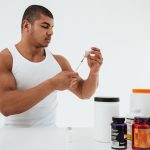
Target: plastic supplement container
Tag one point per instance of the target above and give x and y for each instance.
(140, 99)
(105, 108)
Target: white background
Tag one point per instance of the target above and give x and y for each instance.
(121, 28)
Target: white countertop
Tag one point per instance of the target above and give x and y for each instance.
(49, 139)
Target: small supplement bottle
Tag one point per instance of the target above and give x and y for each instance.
(118, 133)
(141, 134)
(129, 121)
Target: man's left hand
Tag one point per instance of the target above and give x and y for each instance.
(95, 60)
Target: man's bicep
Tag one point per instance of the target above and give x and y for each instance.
(7, 82)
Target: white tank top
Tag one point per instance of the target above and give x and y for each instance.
(29, 74)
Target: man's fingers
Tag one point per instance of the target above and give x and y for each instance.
(95, 49)
(73, 82)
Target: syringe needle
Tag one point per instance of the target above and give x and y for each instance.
(79, 64)
(85, 55)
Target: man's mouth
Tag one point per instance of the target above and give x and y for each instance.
(47, 39)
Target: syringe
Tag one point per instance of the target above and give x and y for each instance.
(85, 55)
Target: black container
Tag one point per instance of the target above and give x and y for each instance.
(118, 133)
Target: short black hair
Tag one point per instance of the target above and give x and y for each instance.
(33, 12)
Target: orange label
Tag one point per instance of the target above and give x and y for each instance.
(142, 138)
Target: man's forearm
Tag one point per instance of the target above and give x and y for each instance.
(18, 101)
(90, 85)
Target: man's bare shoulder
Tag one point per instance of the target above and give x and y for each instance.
(5, 59)
(60, 57)
(63, 62)
(5, 53)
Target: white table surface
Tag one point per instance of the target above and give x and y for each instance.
(49, 139)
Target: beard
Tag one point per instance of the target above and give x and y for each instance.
(40, 41)
(42, 45)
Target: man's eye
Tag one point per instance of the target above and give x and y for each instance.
(44, 27)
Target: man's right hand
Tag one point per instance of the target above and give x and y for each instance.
(63, 80)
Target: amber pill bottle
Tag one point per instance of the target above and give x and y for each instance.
(140, 134)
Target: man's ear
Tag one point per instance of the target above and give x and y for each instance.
(26, 25)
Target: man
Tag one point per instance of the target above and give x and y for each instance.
(30, 75)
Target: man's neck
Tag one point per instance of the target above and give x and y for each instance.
(30, 52)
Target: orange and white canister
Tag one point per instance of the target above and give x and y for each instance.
(140, 99)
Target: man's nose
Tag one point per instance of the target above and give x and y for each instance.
(50, 31)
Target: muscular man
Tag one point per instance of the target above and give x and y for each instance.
(30, 75)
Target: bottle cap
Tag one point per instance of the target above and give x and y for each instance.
(118, 119)
(140, 119)
(106, 99)
(141, 90)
